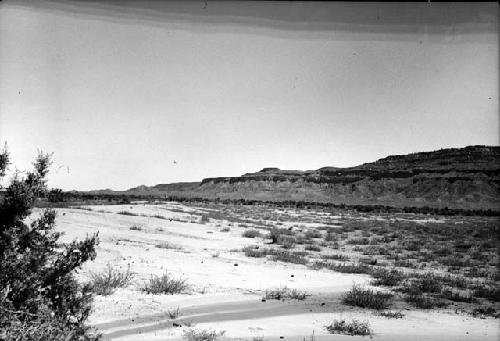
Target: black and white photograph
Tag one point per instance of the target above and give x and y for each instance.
(249, 170)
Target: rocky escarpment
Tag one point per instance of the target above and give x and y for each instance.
(467, 178)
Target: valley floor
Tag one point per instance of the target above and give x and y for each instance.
(226, 287)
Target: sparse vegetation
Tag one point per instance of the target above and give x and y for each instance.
(165, 284)
(105, 282)
(251, 233)
(366, 298)
(386, 277)
(174, 313)
(169, 246)
(354, 327)
(127, 213)
(285, 293)
(192, 334)
(425, 301)
(392, 314)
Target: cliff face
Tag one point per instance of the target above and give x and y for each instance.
(466, 178)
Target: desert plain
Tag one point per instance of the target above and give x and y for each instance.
(224, 256)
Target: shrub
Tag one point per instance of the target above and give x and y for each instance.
(489, 311)
(351, 268)
(289, 257)
(457, 296)
(39, 296)
(368, 260)
(358, 241)
(173, 314)
(254, 251)
(167, 245)
(354, 327)
(251, 233)
(56, 195)
(127, 213)
(429, 282)
(336, 257)
(287, 242)
(314, 248)
(386, 277)
(424, 302)
(276, 233)
(366, 298)
(312, 234)
(285, 293)
(331, 237)
(105, 282)
(392, 314)
(165, 284)
(490, 293)
(192, 334)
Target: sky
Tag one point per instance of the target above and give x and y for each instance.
(130, 93)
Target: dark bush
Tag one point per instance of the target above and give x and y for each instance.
(386, 277)
(39, 296)
(366, 298)
(354, 327)
(251, 233)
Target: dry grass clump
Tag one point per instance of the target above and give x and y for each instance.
(105, 282)
(392, 314)
(165, 284)
(336, 256)
(277, 233)
(285, 293)
(167, 245)
(354, 327)
(127, 213)
(389, 278)
(489, 292)
(425, 301)
(192, 334)
(174, 313)
(424, 283)
(290, 257)
(351, 268)
(251, 233)
(311, 247)
(295, 257)
(366, 298)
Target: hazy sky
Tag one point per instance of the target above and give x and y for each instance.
(118, 91)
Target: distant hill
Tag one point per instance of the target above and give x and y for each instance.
(464, 178)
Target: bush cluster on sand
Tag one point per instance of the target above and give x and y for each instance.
(354, 327)
(39, 296)
(366, 298)
(192, 334)
(285, 293)
(251, 233)
(165, 284)
(105, 282)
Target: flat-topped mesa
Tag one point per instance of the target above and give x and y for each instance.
(464, 178)
(455, 177)
(468, 158)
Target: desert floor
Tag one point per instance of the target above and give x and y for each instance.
(226, 286)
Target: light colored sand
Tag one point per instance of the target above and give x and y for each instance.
(225, 296)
